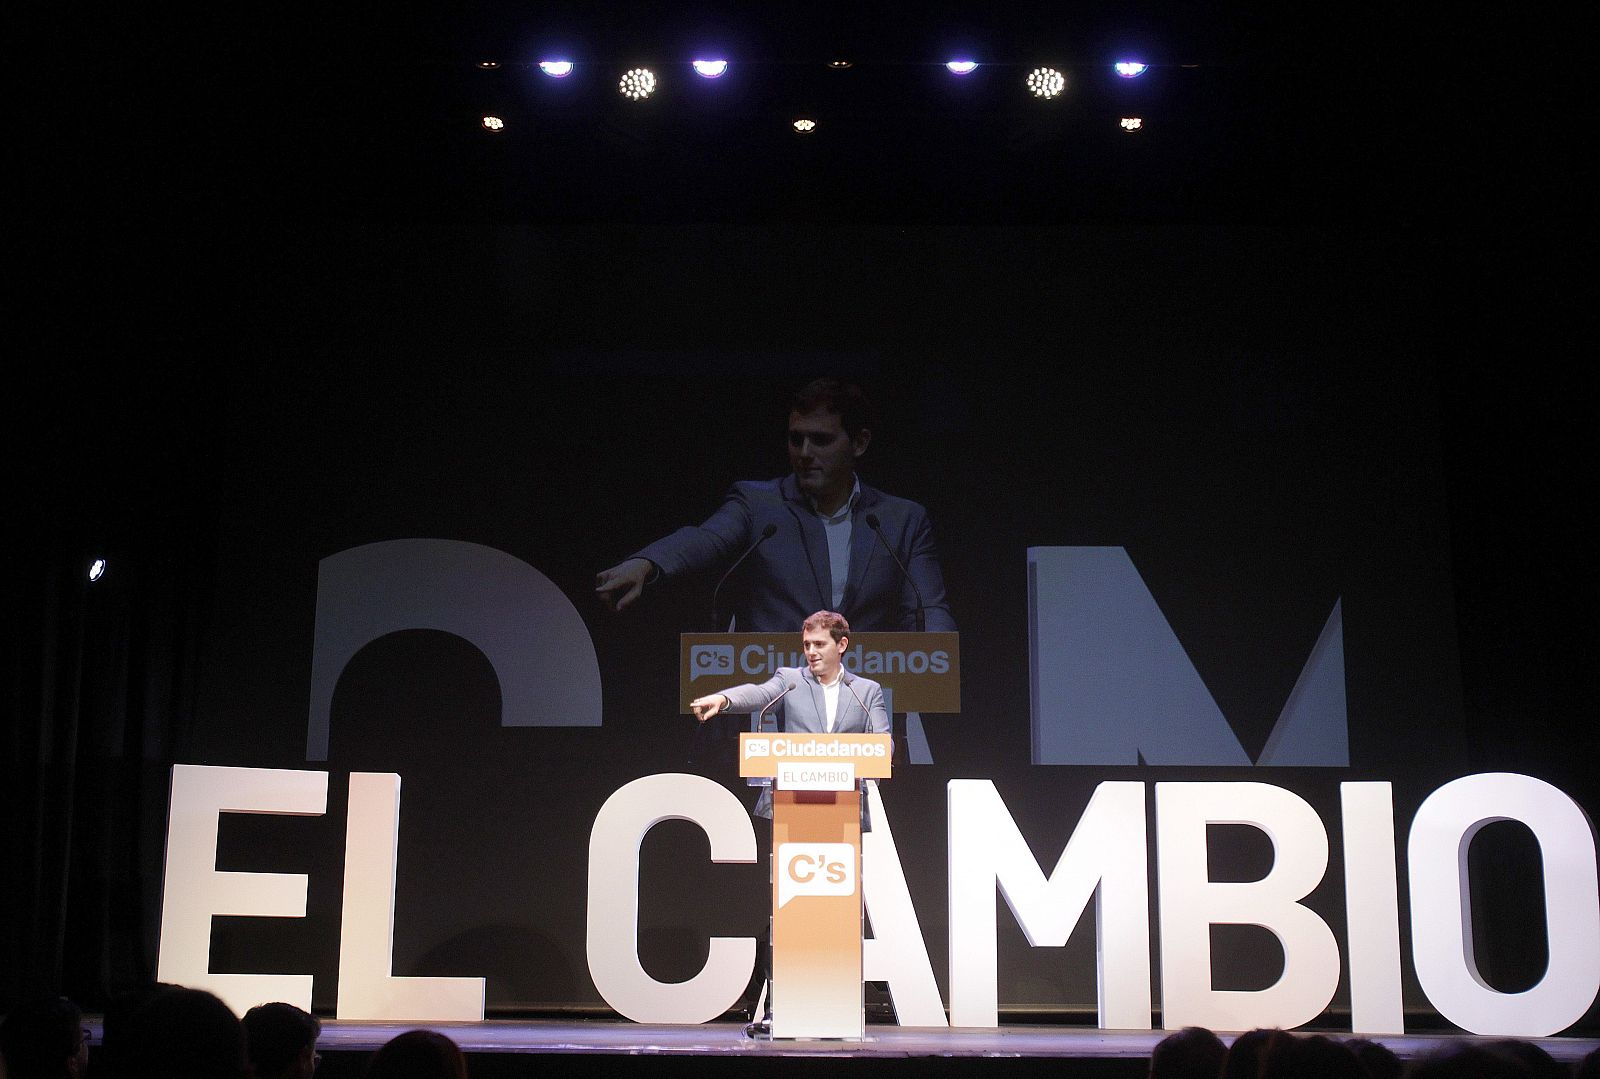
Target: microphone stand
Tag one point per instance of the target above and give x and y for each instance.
(716, 612)
(877, 530)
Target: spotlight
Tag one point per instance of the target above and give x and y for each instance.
(1046, 82)
(710, 69)
(805, 127)
(637, 83)
(97, 569)
(493, 123)
(839, 64)
(1132, 123)
(1130, 69)
(961, 67)
(556, 69)
(488, 65)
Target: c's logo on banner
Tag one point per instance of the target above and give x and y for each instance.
(815, 869)
(757, 747)
(710, 659)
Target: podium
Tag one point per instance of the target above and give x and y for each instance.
(816, 873)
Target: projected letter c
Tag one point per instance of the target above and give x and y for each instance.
(529, 631)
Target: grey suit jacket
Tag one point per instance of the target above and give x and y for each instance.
(789, 576)
(861, 710)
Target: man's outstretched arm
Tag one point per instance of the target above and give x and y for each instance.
(746, 698)
(689, 549)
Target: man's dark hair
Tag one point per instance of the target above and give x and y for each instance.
(1309, 1056)
(187, 1032)
(1465, 1062)
(119, 1027)
(1534, 1060)
(1379, 1060)
(845, 399)
(1191, 1053)
(418, 1054)
(1244, 1055)
(276, 1034)
(39, 1037)
(832, 621)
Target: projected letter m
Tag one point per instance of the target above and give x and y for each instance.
(1111, 683)
(524, 625)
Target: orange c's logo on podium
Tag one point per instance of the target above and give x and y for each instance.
(815, 869)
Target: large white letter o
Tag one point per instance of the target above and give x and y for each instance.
(1441, 915)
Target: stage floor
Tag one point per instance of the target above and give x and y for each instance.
(602, 1049)
(882, 1041)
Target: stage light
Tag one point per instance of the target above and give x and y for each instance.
(839, 64)
(961, 67)
(805, 127)
(97, 569)
(1132, 123)
(556, 69)
(1046, 82)
(637, 83)
(710, 69)
(488, 65)
(493, 123)
(1130, 69)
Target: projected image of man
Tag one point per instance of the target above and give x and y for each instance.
(816, 538)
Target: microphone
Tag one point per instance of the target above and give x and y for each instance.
(864, 710)
(894, 746)
(877, 530)
(788, 689)
(766, 534)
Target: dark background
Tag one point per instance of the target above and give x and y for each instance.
(1316, 333)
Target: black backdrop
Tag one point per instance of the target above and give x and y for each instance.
(1270, 404)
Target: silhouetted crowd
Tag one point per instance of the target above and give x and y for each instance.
(171, 1032)
(1197, 1053)
(168, 1031)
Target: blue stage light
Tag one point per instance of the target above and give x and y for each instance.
(710, 69)
(1130, 69)
(556, 69)
(961, 67)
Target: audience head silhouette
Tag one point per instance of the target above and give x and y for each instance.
(418, 1054)
(282, 1041)
(1379, 1060)
(1290, 1056)
(184, 1032)
(1191, 1053)
(44, 1038)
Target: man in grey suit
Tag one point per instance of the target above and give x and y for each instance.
(821, 697)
